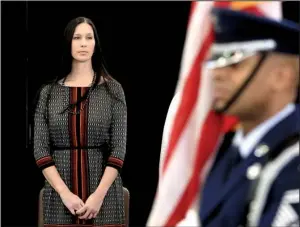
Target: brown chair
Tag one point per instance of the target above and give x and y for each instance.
(126, 205)
(126, 201)
(40, 209)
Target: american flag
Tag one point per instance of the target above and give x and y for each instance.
(192, 130)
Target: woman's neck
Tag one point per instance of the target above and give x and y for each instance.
(81, 71)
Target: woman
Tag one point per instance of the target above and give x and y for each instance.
(80, 136)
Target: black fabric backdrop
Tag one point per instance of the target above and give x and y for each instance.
(142, 43)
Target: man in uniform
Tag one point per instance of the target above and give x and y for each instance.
(254, 179)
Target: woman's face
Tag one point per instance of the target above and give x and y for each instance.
(83, 43)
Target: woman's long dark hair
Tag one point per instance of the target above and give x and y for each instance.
(98, 62)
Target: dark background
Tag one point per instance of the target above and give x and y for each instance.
(142, 43)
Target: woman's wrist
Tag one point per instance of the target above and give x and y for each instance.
(101, 191)
(62, 190)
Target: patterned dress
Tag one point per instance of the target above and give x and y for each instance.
(81, 146)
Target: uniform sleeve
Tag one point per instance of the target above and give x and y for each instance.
(118, 129)
(282, 207)
(41, 140)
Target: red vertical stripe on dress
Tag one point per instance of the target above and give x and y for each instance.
(74, 152)
(83, 152)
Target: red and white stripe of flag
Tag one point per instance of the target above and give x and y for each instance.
(192, 130)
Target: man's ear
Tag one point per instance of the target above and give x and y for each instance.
(283, 73)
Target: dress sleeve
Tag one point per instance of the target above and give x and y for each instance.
(118, 129)
(41, 140)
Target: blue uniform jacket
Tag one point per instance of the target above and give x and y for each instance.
(226, 203)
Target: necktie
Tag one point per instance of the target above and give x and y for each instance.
(234, 160)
